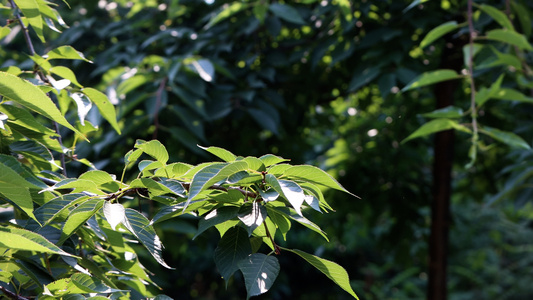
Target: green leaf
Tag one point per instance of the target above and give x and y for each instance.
(65, 73)
(498, 16)
(155, 149)
(259, 271)
(140, 226)
(255, 164)
(79, 185)
(438, 32)
(505, 137)
(114, 213)
(271, 159)
(212, 174)
(223, 154)
(227, 11)
(451, 112)
(510, 37)
(15, 188)
(216, 216)
(362, 78)
(431, 77)
(314, 175)
(523, 17)
(105, 107)
(252, 216)
(281, 221)
(287, 13)
(35, 148)
(512, 95)
(79, 216)
(58, 208)
(484, 94)
(290, 190)
(466, 52)
(436, 126)
(232, 248)
(30, 9)
(65, 52)
(332, 270)
(22, 239)
(172, 211)
(30, 96)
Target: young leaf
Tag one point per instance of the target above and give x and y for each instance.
(232, 248)
(432, 77)
(30, 96)
(114, 213)
(271, 159)
(510, 37)
(140, 227)
(65, 73)
(436, 126)
(65, 52)
(223, 154)
(105, 107)
(252, 216)
(21, 239)
(332, 270)
(438, 32)
(260, 272)
(290, 190)
(216, 216)
(155, 149)
(314, 175)
(506, 137)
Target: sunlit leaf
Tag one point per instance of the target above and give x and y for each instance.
(106, 109)
(510, 37)
(15, 188)
(223, 154)
(216, 216)
(314, 175)
(59, 207)
(79, 216)
(290, 190)
(332, 270)
(226, 12)
(66, 73)
(252, 216)
(30, 9)
(505, 137)
(451, 112)
(438, 32)
(21, 239)
(432, 77)
(155, 149)
(114, 213)
(65, 52)
(434, 126)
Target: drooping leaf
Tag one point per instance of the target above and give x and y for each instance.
(314, 175)
(30, 96)
(33, 147)
(437, 32)
(510, 37)
(65, 73)
(173, 186)
(223, 154)
(140, 226)
(332, 270)
(287, 13)
(431, 77)
(114, 213)
(172, 211)
(512, 95)
(506, 137)
(485, 94)
(15, 188)
(289, 189)
(252, 216)
(22, 239)
(436, 126)
(216, 216)
(232, 248)
(498, 15)
(79, 216)
(451, 112)
(30, 9)
(105, 107)
(155, 149)
(259, 271)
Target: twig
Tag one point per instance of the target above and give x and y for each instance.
(12, 295)
(471, 34)
(41, 75)
(276, 247)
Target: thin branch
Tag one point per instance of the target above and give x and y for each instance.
(9, 294)
(471, 72)
(41, 75)
(158, 96)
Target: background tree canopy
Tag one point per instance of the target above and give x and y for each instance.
(357, 88)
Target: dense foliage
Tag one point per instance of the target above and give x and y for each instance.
(353, 87)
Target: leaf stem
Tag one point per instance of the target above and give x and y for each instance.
(276, 247)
